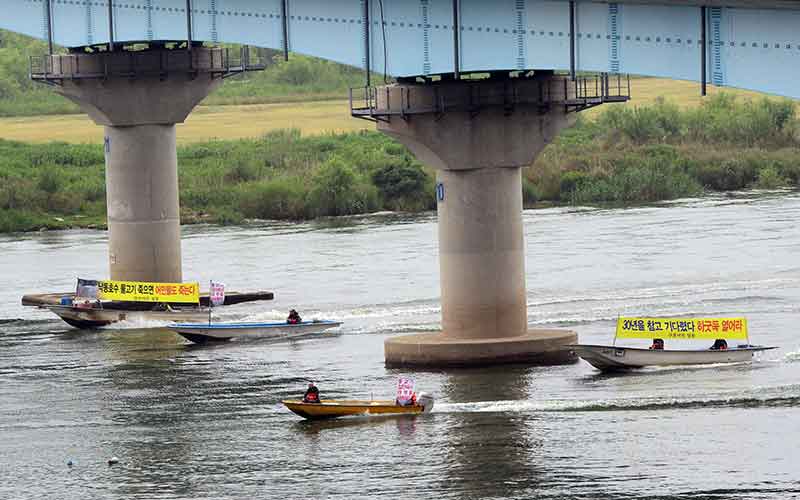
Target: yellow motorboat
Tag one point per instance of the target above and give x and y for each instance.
(342, 408)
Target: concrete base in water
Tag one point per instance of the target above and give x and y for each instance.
(539, 347)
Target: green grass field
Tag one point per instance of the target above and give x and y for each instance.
(254, 120)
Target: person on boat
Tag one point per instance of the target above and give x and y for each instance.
(312, 394)
(293, 318)
(658, 345)
(719, 345)
(408, 402)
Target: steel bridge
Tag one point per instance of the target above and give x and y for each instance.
(737, 43)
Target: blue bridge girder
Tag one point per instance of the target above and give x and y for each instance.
(752, 45)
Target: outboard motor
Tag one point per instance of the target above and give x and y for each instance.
(426, 401)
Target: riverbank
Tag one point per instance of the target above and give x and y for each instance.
(624, 155)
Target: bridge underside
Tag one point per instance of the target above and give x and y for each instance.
(754, 45)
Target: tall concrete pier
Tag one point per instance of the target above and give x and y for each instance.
(139, 96)
(478, 135)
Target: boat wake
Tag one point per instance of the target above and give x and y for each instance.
(791, 357)
(787, 397)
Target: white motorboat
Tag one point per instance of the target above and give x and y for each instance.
(97, 316)
(204, 332)
(614, 357)
(611, 358)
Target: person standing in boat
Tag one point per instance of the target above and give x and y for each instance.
(407, 402)
(293, 318)
(719, 345)
(312, 394)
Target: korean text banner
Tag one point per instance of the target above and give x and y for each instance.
(682, 328)
(140, 291)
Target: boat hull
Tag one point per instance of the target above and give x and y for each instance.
(327, 409)
(612, 358)
(95, 318)
(205, 332)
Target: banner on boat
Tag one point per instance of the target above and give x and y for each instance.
(682, 328)
(140, 291)
(405, 389)
(217, 293)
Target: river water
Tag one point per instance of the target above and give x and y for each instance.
(206, 423)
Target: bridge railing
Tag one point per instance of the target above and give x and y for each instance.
(219, 62)
(578, 94)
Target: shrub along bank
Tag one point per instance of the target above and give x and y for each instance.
(278, 176)
(659, 152)
(627, 155)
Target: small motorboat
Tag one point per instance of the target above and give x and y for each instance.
(615, 358)
(97, 303)
(204, 332)
(342, 408)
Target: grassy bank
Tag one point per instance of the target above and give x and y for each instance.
(281, 175)
(626, 155)
(658, 152)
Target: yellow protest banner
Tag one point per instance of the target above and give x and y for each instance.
(140, 291)
(682, 328)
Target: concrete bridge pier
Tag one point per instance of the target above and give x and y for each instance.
(139, 97)
(478, 136)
